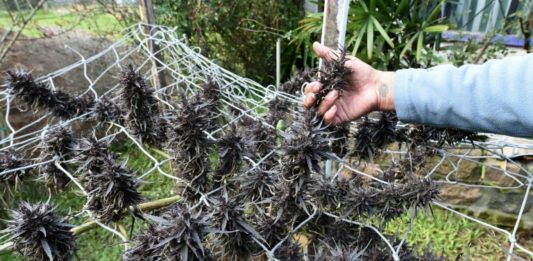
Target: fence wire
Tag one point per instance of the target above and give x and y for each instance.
(185, 68)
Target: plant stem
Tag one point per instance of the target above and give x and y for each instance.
(147, 206)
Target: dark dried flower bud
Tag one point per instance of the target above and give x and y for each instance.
(228, 216)
(279, 108)
(111, 190)
(289, 251)
(105, 110)
(38, 234)
(141, 107)
(9, 160)
(41, 96)
(232, 149)
(177, 234)
(334, 76)
(295, 83)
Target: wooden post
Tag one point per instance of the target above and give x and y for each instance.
(334, 24)
(334, 33)
(146, 10)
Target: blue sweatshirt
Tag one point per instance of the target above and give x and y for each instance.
(493, 97)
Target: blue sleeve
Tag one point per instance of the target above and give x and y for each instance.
(493, 97)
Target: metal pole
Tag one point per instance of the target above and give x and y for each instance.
(278, 62)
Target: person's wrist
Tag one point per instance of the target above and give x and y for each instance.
(384, 85)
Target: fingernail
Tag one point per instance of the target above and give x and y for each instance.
(332, 95)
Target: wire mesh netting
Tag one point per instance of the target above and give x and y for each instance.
(278, 174)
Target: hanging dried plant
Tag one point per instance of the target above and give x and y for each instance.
(56, 143)
(339, 139)
(104, 110)
(333, 76)
(327, 193)
(9, 160)
(232, 149)
(390, 201)
(421, 135)
(189, 145)
(295, 83)
(38, 234)
(92, 154)
(38, 95)
(228, 217)
(279, 108)
(289, 251)
(178, 234)
(257, 184)
(111, 190)
(262, 141)
(364, 147)
(306, 144)
(141, 107)
(271, 229)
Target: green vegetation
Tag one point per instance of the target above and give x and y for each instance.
(44, 23)
(450, 235)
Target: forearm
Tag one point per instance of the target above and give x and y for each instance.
(494, 97)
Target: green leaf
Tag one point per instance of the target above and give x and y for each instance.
(382, 31)
(439, 28)
(370, 40)
(357, 42)
(419, 46)
(408, 45)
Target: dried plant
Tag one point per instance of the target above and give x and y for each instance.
(9, 160)
(178, 234)
(111, 187)
(279, 108)
(56, 143)
(306, 144)
(189, 145)
(364, 147)
(38, 95)
(334, 76)
(229, 218)
(38, 234)
(262, 140)
(295, 83)
(110, 190)
(105, 110)
(271, 229)
(232, 149)
(421, 135)
(256, 184)
(326, 192)
(340, 139)
(289, 251)
(390, 201)
(141, 107)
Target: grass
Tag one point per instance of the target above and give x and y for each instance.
(451, 236)
(94, 21)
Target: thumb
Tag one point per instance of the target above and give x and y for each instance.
(324, 52)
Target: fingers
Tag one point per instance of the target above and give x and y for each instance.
(328, 101)
(313, 87)
(330, 114)
(309, 100)
(310, 93)
(324, 52)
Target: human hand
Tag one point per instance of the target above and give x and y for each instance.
(369, 90)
